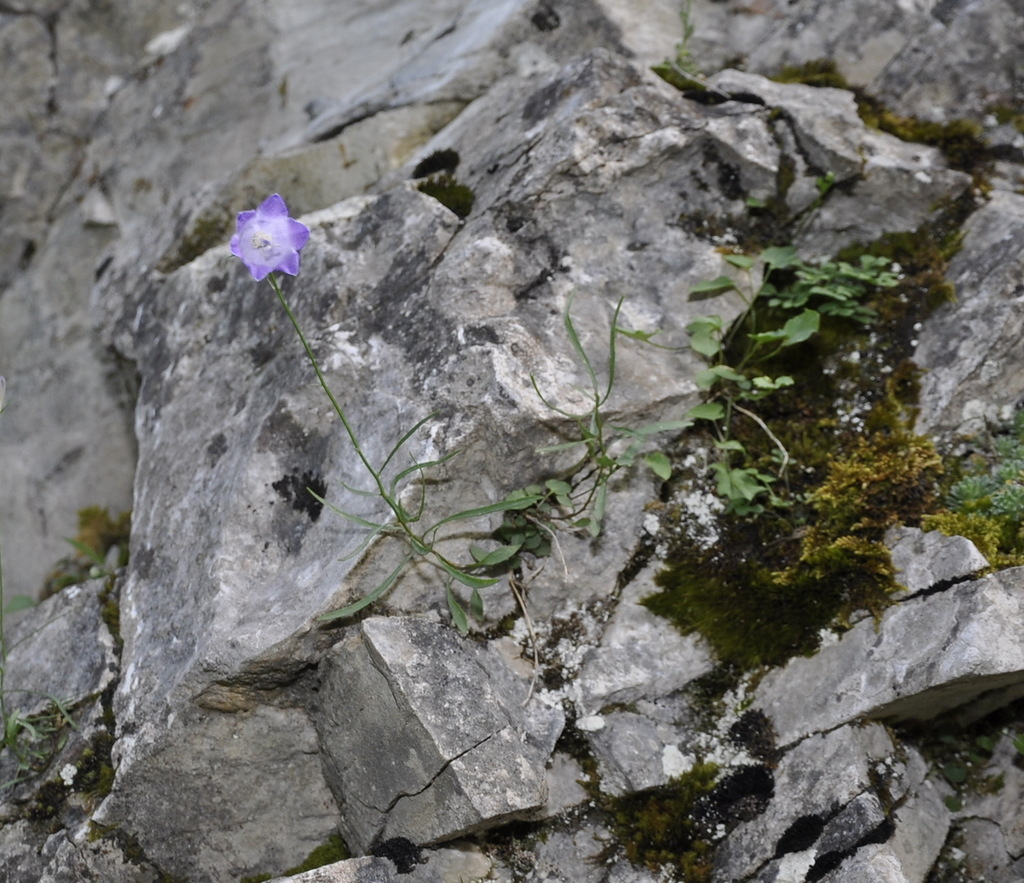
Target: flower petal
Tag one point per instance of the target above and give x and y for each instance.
(289, 264)
(273, 206)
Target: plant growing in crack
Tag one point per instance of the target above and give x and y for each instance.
(268, 241)
(784, 298)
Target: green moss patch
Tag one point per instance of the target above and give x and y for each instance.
(761, 588)
(449, 192)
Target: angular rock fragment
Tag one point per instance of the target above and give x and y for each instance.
(422, 740)
(926, 560)
(925, 656)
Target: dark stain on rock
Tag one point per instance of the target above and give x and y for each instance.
(295, 490)
(401, 852)
(802, 834)
(216, 448)
(545, 18)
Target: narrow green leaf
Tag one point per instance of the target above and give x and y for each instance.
(368, 599)
(473, 582)
(742, 261)
(496, 556)
(711, 287)
(401, 442)
(476, 604)
(642, 336)
(577, 346)
(86, 551)
(349, 516)
(19, 602)
(659, 464)
(458, 614)
(490, 509)
(600, 502)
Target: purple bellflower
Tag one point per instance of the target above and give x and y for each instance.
(267, 240)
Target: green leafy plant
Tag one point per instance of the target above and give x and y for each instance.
(682, 71)
(576, 500)
(986, 502)
(269, 241)
(784, 299)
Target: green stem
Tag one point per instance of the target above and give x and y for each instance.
(378, 480)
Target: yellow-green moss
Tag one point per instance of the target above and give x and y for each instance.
(765, 591)
(449, 192)
(658, 827)
(770, 584)
(820, 72)
(327, 853)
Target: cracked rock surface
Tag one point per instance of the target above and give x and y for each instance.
(224, 730)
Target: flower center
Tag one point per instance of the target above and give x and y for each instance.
(262, 242)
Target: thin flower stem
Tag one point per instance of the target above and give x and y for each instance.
(393, 505)
(769, 433)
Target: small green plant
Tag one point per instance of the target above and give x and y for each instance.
(784, 299)
(101, 548)
(576, 500)
(986, 502)
(682, 71)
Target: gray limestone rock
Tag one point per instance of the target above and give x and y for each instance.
(816, 783)
(640, 656)
(925, 656)
(968, 348)
(453, 750)
(925, 560)
(133, 137)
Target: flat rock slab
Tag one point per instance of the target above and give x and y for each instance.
(928, 559)
(453, 748)
(926, 656)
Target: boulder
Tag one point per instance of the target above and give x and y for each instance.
(456, 749)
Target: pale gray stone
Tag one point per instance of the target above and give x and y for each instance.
(452, 751)
(356, 870)
(969, 348)
(813, 781)
(924, 656)
(630, 749)
(921, 825)
(929, 559)
(640, 655)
